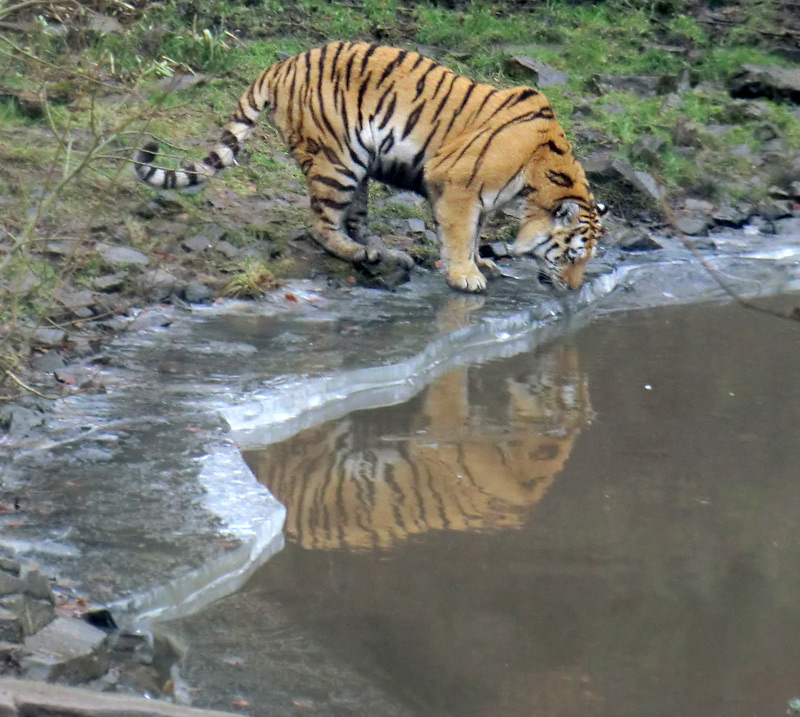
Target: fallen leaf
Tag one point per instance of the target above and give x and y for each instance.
(351, 279)
(291, 297)
(241, 703)
(438, 263)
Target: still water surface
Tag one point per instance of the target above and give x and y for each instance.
(609, 525)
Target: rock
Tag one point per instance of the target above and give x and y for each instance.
(540, 74)
(773, 209)
(105, 25)
(196, 293)
(611, 108)
(67, 649)
(197, 243)
(110, 282)
(775, 83)
(153, 279)
(693, 223)
(640, 85)
(636, 240)
(10, 585)
(34, 615)
(406, 199)
(416, 225)
(10, 627)
(21, 422)
(685, 133)
(744, 110)
(38, 586)
(228, 250)
(515, 209)
(648, 147)
(790, 226)
(496, 250)
(642, 182)
(9, 565)
(675, 84)
(60, 248)
(729, 216)
(599, 164)
(34, 699)
(794, 189)
(119, 256)
(49, 337)
(149, 320)
(693, 204)
(48, 362)
(766, 131)
(184, 81)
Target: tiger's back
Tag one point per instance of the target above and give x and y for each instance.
(351, 112)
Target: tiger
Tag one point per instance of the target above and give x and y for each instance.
(352, 111)
(367, 482)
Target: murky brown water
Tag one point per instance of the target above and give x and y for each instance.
(607, 526)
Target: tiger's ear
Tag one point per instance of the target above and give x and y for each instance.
(602, 209)
(566, 213)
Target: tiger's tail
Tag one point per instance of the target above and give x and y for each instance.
(251, 105)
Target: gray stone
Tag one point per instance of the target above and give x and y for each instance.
(406, 199)
(197, 243)
(37, 585)
(184, 81)
(110, 282)
(33, 614)
(773, 209)
(156, 279)
(540, 73)
(34, 699)
(49, 337)
(648, 147)
(693, 223)
(599, 164)
(10, 627)
(124, 256)
(675, 84)
(196, 293)
(8, 583)
(729, 216)
(9, 565)
(685, 133)
(7, 706)
(739, 110)
(766, 131)
(775, 83)
(48, 362)
(794, 189)
(640, 85)
(642, 182)
(149, 320)
(416, 225)
(67, 649)
(788, 227)
(105, 25)
(693, 204)
(636, 240)
(228, 250)
(61, 248)
(22, 421)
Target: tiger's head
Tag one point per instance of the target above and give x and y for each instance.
(563, 241)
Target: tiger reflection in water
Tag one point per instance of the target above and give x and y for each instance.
(482, 445)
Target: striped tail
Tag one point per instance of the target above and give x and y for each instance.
(251, 105)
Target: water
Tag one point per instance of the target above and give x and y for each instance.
(605, 525)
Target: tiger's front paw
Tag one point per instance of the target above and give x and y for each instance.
(466, 278)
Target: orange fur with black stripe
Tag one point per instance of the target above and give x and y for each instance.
(351, 112)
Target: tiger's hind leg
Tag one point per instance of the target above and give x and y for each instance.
(357, 229)
(332, 190)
